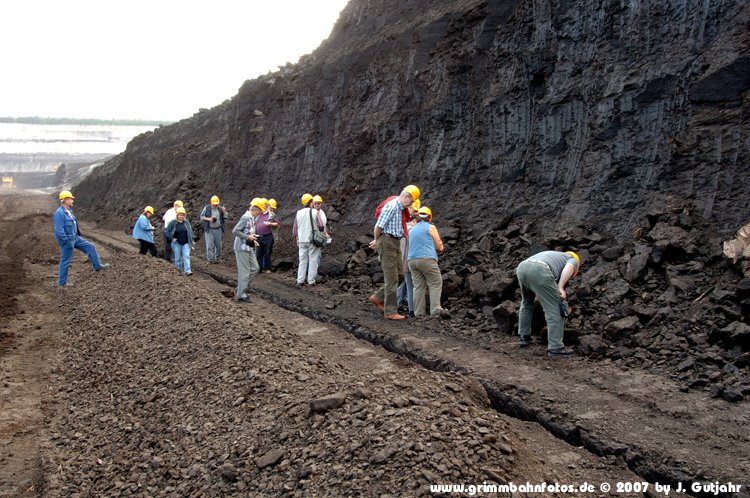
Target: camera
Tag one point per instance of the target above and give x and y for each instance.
(565, 310)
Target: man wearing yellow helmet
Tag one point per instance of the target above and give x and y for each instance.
(143, 232)
(544, 275)
(213, 221)
(68, 237)
(387, 234)
(245, 243)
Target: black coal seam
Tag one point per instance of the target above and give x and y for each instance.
(507, 399)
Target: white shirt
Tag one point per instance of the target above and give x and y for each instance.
(303, 226)
(169, 216)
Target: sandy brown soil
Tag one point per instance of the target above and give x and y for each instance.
(138, 381)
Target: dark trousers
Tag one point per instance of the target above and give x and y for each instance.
(263, 252)
(147, 246)
(168, 254)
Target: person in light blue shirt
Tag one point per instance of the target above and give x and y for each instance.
(68, 237)
(424, 246)
(143, 232)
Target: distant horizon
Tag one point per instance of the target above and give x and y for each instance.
(84, 121)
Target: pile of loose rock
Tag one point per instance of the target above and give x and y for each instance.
(664, 298)
(167, 389)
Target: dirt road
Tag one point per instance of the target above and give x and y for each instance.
(140, 381)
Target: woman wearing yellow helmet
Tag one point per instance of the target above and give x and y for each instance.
(170, 215)
(424, 246)
(180, 234)
(143, 232)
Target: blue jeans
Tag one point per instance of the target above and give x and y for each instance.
(66, 256)
(406, 287)
(181, 254)
(263, 252)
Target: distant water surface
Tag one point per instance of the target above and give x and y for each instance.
(31, 148)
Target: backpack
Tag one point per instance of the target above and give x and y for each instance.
(405, 217)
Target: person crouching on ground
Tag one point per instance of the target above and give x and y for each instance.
(545, 275)
(424, 246)
(213, 220)
(245, 243)
(387, 234)
(68, 237)
(181, 236)
(143, 232)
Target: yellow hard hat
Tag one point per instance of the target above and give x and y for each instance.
(416, 205)
(264, 201)
(578, 260)
(426, 211)
(149, 209)
(318, 198)
(178, 203)
(215, 199)
(306, 198)
(180, 210)
(66, 194)
(257, 202)
(272, 203)
(413, 190)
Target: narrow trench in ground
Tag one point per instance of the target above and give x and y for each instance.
(504, 399)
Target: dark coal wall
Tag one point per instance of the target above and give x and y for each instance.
(562, 113)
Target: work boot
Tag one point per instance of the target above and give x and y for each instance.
(524, 341)
(562, 352)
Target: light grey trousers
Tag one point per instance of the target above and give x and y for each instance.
(213, 243)
(247, 269)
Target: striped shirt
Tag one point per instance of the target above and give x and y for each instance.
(390, 219)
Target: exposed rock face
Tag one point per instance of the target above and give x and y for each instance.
(584, 112)
(619, 129)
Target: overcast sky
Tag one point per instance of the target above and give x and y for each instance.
(147, 59)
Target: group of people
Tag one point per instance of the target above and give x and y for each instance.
(408, 245)
(407, 242)
(179, 239)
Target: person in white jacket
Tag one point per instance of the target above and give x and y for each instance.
(308, 219)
